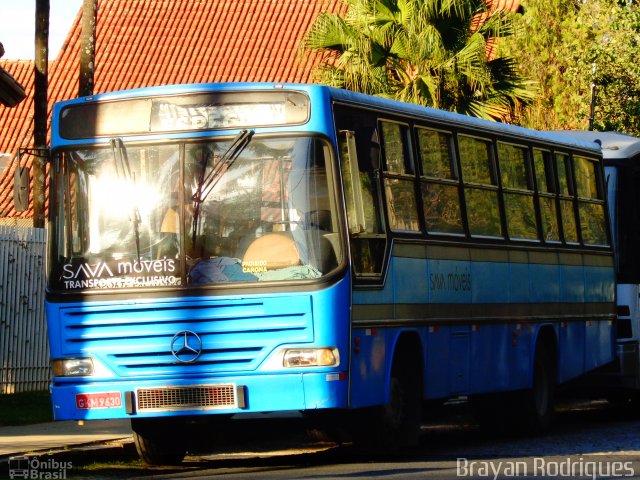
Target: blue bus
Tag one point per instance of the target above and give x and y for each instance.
(217, 251)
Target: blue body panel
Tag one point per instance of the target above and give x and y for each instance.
(241, 335)
(469, 346)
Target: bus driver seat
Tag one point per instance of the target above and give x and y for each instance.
(271, 252)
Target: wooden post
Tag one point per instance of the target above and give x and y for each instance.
(40, 110)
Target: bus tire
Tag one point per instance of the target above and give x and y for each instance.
(537, 403)
(396, 425)
(157, 443)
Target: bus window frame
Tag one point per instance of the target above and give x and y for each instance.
(452, 182)
(494, 177)
(550, 192)
(508, 190)
(409, 175)
(599, 200)
(567, 197)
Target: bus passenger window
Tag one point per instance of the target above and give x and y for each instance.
(567, 211)
(480, 187)
(562, 164)
(546, 195)
(399, 179)
(439, 182)
(517, 192)
(590, 201)
(586, 178)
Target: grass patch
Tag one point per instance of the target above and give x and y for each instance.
(25, 408)
(125, 469)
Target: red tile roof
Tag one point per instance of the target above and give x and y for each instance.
(145, 42)
(158, 42)
(16, 130)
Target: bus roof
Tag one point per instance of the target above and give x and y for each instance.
(457, 119)
(614, 145)
(447, 119)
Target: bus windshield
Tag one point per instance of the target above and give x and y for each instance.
(243, 209)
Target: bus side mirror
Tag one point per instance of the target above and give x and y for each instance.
(21, 189)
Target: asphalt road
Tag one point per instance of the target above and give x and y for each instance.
(590, 440)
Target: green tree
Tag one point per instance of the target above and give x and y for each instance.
(429, 52)
(614, 52)
(538, 43)
(565, 46)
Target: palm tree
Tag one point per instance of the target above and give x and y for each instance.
(429, 52)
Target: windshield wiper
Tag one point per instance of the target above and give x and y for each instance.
(206, 183)
(123, 170)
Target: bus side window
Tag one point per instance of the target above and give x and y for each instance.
(399, 177)
(366, 234)
(546, 195)
(589, 188)
(480, 186)
(439, 182)
(517, 192)
(565, 192)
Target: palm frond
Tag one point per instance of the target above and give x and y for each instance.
(329, 31)
(497, 24)
(429, 52)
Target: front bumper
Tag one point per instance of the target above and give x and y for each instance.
(251, 394)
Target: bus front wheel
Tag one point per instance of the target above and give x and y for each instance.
(158, 441)
(396, 425)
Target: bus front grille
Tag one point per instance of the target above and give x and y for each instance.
(189, 398)
(136, 340)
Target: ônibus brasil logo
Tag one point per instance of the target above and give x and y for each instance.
(37, 468)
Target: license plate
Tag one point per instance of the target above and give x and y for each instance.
(86, 401)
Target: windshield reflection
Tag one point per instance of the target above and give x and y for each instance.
(177, 215)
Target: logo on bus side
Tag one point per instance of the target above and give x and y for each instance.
(452, 281)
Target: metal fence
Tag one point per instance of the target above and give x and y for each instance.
(24, 351)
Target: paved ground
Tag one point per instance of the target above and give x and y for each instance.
(43, 437)
(583, 431)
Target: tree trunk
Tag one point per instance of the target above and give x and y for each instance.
(87, 47)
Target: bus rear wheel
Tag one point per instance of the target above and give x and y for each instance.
(538, 402)
(527, 411)
(158, 441)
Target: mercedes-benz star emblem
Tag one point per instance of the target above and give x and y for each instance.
(186, 346)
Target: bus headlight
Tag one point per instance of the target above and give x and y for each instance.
(311, 357)
(72, 367)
